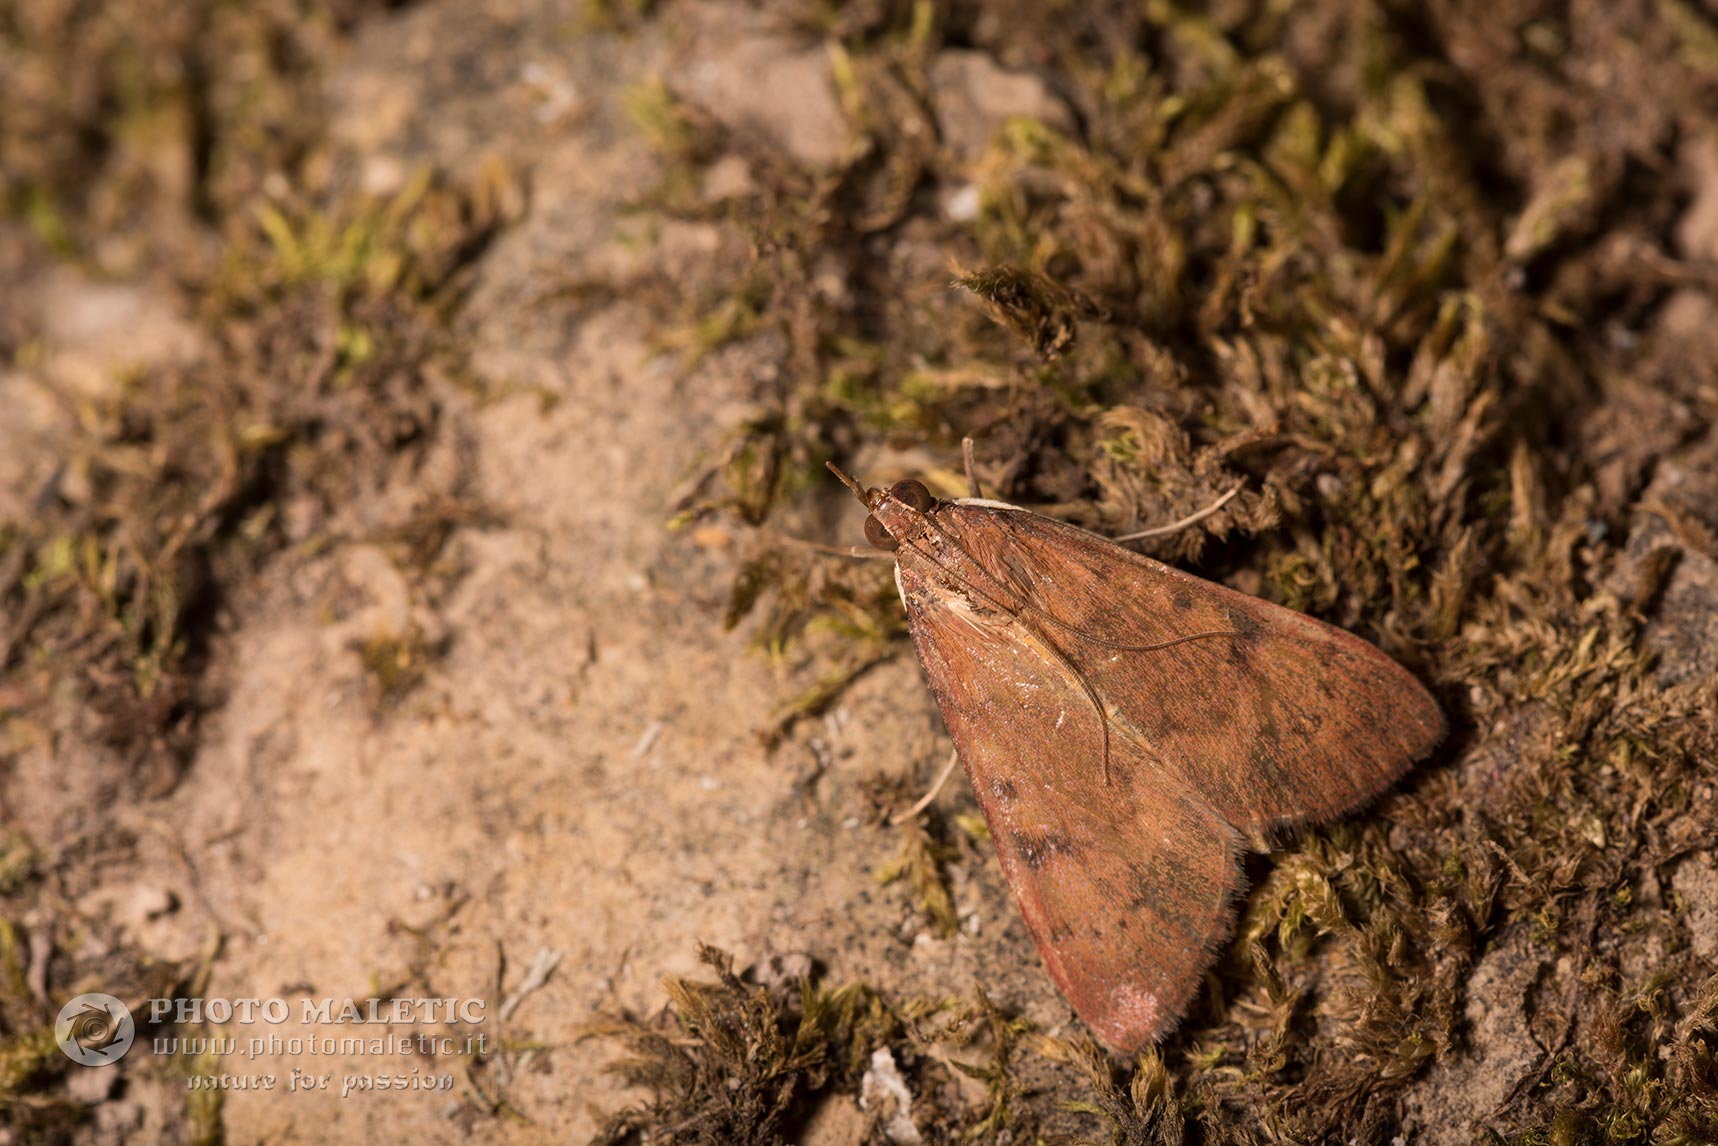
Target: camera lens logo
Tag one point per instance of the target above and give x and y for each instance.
(94, 1030)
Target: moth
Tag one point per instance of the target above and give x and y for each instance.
(1129, 729)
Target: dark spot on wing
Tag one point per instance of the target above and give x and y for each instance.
(1124, 778)
(1183, 600)
(1264, 763)
(1261, 760)
(1244, 624)
(1169, 904)
(1035, 849)
(1004, 790)
(1307, 722)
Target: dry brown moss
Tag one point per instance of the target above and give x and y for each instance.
(1388, 268)
(732, 1061)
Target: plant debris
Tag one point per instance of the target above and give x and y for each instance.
(737, 1062)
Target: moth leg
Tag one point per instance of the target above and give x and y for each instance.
(936, 786)
(836, 550)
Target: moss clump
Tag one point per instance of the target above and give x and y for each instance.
(317, 386)
(738, 1062)
(920, 863)
(1039, 311)
(743, 1061)
(1142, 1110)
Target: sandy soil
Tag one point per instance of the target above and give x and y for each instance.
(582, 773)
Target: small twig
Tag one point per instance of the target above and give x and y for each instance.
(649, 739)
(971, 476)
(536, 975)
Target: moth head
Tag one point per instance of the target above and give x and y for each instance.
(896, 513)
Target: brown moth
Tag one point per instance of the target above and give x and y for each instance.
(1128, 728)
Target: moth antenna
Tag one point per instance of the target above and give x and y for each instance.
(858, 490)
(936, 786)
(1190, 519)
(971, 477)
(835, 550)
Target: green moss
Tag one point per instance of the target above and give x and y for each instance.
(920, 863)
(1003, 1088)
(1141, 1110)
(395, 662)
(314, 388)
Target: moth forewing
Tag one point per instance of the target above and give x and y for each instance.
(1124, 885)
(1273, 717)
(1125, 727)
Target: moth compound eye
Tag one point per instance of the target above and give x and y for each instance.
(878, 536)
(913, 495)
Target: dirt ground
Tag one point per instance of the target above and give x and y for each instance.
(526, 762)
